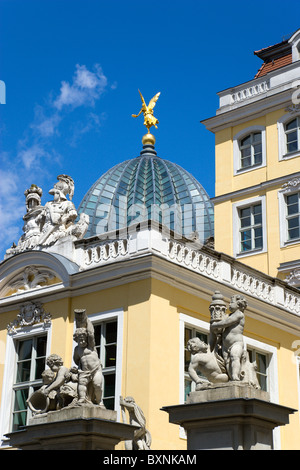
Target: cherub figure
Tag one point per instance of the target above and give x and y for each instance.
(149, 119)
(232, 327)
(90, 377)
(207, 362)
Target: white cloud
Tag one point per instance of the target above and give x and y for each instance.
(36, 150)
(85, 89)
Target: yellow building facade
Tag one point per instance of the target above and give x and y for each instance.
(257, 165)
(147, 282)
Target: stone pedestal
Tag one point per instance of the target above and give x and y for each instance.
(81, 428)
(233, 417)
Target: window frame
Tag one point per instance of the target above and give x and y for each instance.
(290, 188)
(10, 365)
(283, 154)
(237, 167)
(107, 316)
(236, 226)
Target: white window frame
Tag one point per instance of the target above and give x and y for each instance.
(270, 351)
(282, 148)
(288, 190)
(237, 169)
(9, 376)
(236, 207)
(111, 315)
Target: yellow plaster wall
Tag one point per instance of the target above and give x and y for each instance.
(227, 182)
(151, 349)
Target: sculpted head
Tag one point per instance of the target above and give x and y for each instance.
(237, 302)
(195, 345)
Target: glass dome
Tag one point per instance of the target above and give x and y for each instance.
(149, 188)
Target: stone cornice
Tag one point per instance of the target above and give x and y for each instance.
(255, 188)
(199, 271)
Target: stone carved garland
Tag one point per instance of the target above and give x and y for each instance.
(30, 314)
(45, 225)
(225, 359)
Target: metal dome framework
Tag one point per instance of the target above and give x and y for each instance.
(148, 188)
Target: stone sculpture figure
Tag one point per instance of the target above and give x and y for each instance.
(45, 225)
(58, 214)
(231, 329)
(58, 390)
(207, 362)
(226, 359)
(142, 437)
(90, 377)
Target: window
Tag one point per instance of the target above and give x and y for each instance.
(293, 216)
(108, 327)
(189, 332)
(106, 345)
(289, 214)
(288, 136)
(292, 134)
(251, 231)
(261, 361)
(251, 150)
(31, 362)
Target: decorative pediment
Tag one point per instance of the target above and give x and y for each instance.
(31, 277)
(30, 313)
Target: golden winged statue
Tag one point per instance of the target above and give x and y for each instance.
(149, 119)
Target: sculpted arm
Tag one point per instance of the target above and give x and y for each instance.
(192, 370)
(230, 320)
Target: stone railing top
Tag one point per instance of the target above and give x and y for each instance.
(90, 253)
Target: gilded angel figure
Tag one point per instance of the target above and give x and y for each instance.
(149, 119)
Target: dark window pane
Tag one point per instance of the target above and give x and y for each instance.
(110, 356)
(25, 348)
(41, 346)
(23, 371)
(291, 125)
(111, 332)
(20, 399)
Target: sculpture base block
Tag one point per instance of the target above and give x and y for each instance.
(230, 416)
(79, 428)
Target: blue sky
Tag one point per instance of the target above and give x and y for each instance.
(72, 71)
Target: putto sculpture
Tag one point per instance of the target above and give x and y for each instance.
(225, 359)
(45, 225)
(142, 437)
(81, 385)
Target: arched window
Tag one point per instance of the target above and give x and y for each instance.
(292, 135)
(251, 150)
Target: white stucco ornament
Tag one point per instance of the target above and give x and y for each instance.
(45, 225)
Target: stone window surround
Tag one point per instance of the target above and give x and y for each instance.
(292, 187)
(282, 151)
(237, 170)
(236, 226)
(10, 362)
(117, 315)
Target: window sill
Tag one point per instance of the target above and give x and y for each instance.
(250, 253)
(250, 168)
(288, 156)
(286, 244)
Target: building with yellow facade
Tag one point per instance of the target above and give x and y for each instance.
(257, 165)
(137, 254)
